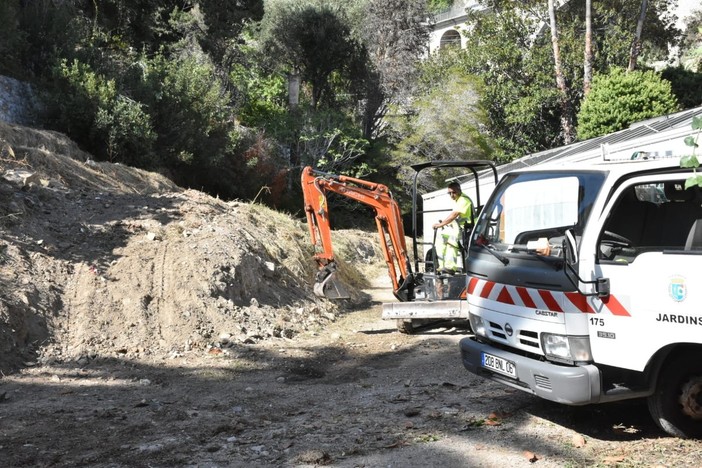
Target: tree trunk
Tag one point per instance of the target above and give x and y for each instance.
(566, 113)
(587, 61)
(636, 44)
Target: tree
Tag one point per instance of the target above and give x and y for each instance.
(396, 36)
(587, 59)
(330, 141)
(436, 6)
(509, 49)
(691, 44)
(636, 43)
(686, 86)
(566, 113)
(312, 39)
(445, 123)
(191, 112)
(225, 25)
(618, 99)
(519, 95)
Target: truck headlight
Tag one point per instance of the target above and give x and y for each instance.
(477, 325)
(564, 348)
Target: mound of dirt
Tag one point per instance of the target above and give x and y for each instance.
(104, 260)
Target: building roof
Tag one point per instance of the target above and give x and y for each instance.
(647, 135)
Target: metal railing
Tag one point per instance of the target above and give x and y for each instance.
(458, 9)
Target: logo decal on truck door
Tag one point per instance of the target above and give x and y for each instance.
(677, 288)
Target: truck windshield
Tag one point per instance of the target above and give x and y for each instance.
(532, 211)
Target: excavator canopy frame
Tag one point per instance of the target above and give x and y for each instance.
(474, 166)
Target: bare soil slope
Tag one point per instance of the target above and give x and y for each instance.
(103, 259)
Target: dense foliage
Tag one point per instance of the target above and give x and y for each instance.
(236, 97)
(618, 99)
(510, 51)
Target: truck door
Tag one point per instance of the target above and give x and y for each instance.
(648, 248)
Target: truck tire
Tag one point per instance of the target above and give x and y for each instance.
(676, 404)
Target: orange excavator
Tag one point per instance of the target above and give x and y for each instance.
(315, 187)
(425, 294)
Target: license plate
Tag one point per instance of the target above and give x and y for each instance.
(502, 366)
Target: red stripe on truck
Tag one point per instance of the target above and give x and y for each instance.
(615, 306)
(579, 301)
(551, 303)
(526, 298)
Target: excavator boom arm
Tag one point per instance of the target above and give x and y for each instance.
(316, 185)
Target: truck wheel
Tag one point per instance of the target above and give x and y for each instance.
(405, 326)
(676, 405)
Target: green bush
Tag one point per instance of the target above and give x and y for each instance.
(261, 94)
(327, 139)
(126, 130)
(87, 106)
(78, 92)
(621, 98)
(686, 85)
(190, 108)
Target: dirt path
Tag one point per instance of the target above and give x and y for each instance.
(354, 394)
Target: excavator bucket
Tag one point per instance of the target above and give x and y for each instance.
(327, 285)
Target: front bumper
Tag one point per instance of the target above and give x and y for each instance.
(425, 310)
(571, 385)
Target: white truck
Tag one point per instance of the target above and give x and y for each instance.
(585, 286)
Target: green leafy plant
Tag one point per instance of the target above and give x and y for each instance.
(691, 161)
(619, 98)
(126, 130)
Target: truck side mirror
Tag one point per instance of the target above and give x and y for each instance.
(602, 287)
(570, 253)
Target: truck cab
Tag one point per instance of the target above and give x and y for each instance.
(582, 287)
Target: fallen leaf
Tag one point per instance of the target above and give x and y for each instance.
(499, 415)
(578, 441)
(396, 444)
(612, 460)
(531, 456)
(493, 419)
(621, 429)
